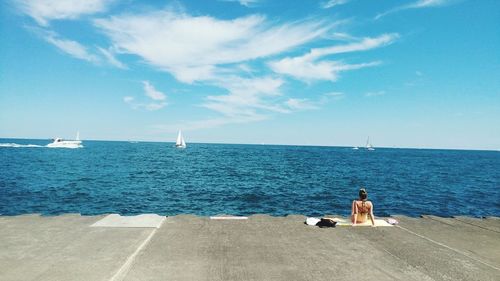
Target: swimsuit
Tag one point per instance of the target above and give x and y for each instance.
(362, 211)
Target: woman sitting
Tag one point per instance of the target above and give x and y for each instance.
(361, 208)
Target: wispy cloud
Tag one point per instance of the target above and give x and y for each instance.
(246, 97)
(208, 123)
(333, 3)
(427, 3)
(301, 104)
(110, 57)
(221, 53)
(98, 56)
(70, 47)
(415, 5)
(250, 100)
(151, 92)
(309, 68)
(214, 52)
(128, 99)
(158, 98)
(243, 115)
(43, 11)
(374, 94)
(246, 3)
(334, 96)
(363, 45)
(192, 47)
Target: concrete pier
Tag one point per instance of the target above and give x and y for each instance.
(261, 247)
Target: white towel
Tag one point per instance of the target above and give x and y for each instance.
(312, 221)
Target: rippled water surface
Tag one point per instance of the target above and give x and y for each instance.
(208, 179)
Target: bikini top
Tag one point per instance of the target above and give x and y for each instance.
(363, 209)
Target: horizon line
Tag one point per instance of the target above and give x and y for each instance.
(271, 144)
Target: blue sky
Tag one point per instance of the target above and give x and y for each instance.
(417, 73)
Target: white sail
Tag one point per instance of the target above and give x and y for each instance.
(183, 143)
(369, 145)
(180, 141)
(179, 137)
(77, 135)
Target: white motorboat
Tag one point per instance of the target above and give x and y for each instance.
(61, 143)
(180, 143)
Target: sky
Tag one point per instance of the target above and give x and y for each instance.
(413, 73)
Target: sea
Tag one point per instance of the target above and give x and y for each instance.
(132, 178)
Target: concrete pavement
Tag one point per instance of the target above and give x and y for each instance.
(188, 247)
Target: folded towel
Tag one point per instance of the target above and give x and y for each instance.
(312, 221)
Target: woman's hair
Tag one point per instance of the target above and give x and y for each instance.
(363, 194)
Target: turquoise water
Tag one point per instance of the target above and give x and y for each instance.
(207, 179)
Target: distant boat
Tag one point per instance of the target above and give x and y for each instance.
(180, 143)
(60, 143)
(355, 148)
(369, 146)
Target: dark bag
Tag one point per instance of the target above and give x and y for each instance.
(326, 223)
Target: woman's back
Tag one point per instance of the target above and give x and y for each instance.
(362, 208)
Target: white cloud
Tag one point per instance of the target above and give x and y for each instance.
(44, 11)
(415, 5)
(342, 36)
(244, 105)
(204, 124)
(301, 104)
(215, 52)
(246, 97)
(246, 3)
(149, 91)
(363, 45)
(78, 50)
(334, 96)
(251, 100)
(374, 94)
(427, 3)
(191, 48)
(154, 106)
(308, 68)
(307, 104)
(70, 47)
(110, 57)
(128, 99)
(333, 3)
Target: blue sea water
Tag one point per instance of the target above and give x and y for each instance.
(208, 179)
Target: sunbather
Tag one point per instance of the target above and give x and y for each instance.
(361, 208)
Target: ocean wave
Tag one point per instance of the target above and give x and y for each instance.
(19, 145)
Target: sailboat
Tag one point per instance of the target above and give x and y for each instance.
(180, 143)
(369, 145)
